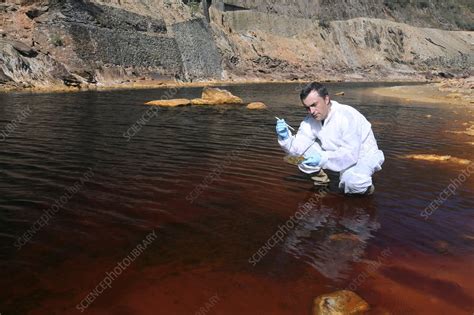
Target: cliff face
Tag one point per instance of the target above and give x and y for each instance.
(261, 44)
(444, 14)
(105, 42)
(79, 42)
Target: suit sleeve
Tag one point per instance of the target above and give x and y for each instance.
(297, 144)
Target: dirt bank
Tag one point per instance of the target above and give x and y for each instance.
(453, 91)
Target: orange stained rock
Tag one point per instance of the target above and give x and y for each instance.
(343, 302)
(256, 105)
(455, 91)
(293, 159)
(215, 96)
(344, 236)
(437, 158)
(170, 103)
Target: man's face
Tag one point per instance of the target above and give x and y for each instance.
(317, 106)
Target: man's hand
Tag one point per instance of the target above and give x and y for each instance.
(282, 129)
(312, 160)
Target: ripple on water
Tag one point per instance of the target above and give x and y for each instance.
(141, 181)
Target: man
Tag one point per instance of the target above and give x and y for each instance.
(335, 137)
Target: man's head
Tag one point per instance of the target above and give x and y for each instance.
(315, 99)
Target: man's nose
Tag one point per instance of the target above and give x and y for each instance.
(313, 110)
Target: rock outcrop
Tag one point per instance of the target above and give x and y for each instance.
(209, 96)
(452, 91)
(215, 96)
(342, 302)
(87, 43)
(256, 105)
(105, 43)
(18, 67)
(170, 103)
(262, 45)
(437, 158)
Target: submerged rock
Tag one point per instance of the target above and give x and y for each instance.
(428, 157)
(468, 237)
(210, 96)
(344, 236)
(215, 96)
(293, 159)
(437, 158)
(441, 247)
(256, 105)
(343, 302)
(170, 103)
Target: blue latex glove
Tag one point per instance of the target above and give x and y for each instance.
(282, 129)
(312, 160)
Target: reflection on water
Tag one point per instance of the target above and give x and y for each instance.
(140, 184)
(331, 236)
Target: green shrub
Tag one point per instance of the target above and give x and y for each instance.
(394, 4)
(56, 40)
(194, 6)
(423, 4)
(323, 23)
(465, 25)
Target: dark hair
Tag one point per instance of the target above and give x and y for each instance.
(313, 86)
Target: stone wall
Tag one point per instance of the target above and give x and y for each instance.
(125, 48)
(199, 53)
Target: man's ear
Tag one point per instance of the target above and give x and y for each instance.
(327, 100)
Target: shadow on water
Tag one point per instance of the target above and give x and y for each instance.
(152, 176)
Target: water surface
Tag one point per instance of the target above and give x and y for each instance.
(148, 180)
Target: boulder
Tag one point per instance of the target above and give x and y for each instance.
(170, 103)
(256, 105)
(3, 77)
(22, 48)
(72, 81)
(35, 11)
(343, 302)
(215, 96)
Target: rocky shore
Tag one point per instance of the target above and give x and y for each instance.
(450, 91)
(67, 45)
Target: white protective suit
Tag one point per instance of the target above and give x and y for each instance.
(347, 146)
